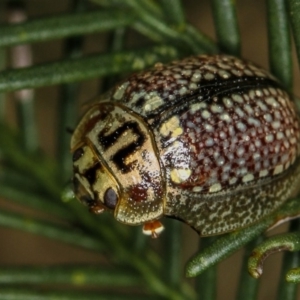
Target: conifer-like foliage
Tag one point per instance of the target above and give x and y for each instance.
(134, 35)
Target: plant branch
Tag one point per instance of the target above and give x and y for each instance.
(50, 230)
(294, 18)
(72, 70)
(31, 294)
(206, 283)
(280, 52)
(228, 244)
(152, 23)
(75, 275)
(225, 18)
(35, 201)
(64, 26)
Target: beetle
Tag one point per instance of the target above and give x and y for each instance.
(212, 141)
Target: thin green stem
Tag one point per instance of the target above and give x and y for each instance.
(228, 244)
(2, 95)
(116, 42)
(156, 284)
(21, 56)
(248, 286)
(84, 68)
(50, 230)
(287, 290)
(30, 199)
(140, 240)
(64, 26)
(152, 24)
(206, 283)
(207, 46)
(294, 18)
(173, 246)
(11, 177)
(67, 120)
(152, 20)
(196, 39)
(121, 250)
(280, 52)
(33, 164)
(150, 33)
(67, 109)
(31, 294)
(225, 18)
(26, 119)
(74, 275)
(67, 113)
(173, 12)
(152, 7)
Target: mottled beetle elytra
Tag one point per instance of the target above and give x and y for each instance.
(209, 140)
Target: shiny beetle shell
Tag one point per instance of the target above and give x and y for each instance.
(209, 140)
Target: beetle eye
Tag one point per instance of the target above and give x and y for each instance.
(110, 198)
(77, 154)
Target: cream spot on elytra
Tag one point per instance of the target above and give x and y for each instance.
(216, 187)
(119, 93)
(153, 103)
(171, 125)
(180, 175)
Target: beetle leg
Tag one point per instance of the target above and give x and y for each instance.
(153, 228)
(97, 209)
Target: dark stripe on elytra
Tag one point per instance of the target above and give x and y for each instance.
(208, 94)
(91, 173)
(120, 156)
(209, 88)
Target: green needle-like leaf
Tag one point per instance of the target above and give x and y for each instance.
(2, 95)
(41, 169)
(294, 18)
(279, 42)
(50, 230)
(152, 23)
(74, 275)
(287, 241)
(226, 24)
(248, 286)
(228, 244)
(291, 260)
(63, 26)
(29, 178)
(206, 283)
(67, 112)
(27, 120)
(173, 244)
(84, 68)
(35, 201)
(293, 276)
(173, 11)
(30, 294)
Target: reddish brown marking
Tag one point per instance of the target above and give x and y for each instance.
(138, 192)
(200, 181)
(90, 124)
